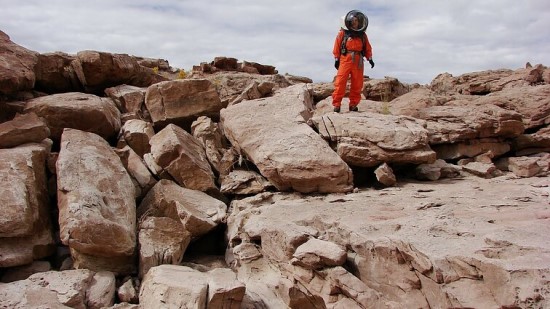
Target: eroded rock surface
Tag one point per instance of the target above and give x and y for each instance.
(272, 133)
(55, 73)
(77, 110)
(183, 157)
(26, 128)
(100, 70)
(26, 231)
(489, 251)
(60, 289)
(97, 208)
(196, 211)
(16, 66)
(182, 100)
(369, 139)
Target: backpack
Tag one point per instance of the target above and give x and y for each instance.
(347, 35)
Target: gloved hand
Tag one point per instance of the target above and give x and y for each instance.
(337, 63)
(371, 63)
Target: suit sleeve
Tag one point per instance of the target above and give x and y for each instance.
(337, 43)
(368, 55)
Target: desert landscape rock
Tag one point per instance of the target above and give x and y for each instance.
(26, 230)
(97, 213)
(125, 183)
(92, 113)
(274, 135)
(17, 68)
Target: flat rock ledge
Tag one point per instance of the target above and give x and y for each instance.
(491, 251)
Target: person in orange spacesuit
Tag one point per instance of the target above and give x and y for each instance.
(350, 47)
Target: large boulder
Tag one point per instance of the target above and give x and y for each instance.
(97, 210)
(459, 131)
(257, 68)
(26, 128)
(25, 228)
(506, 89)
(141, 176)
(136, 133)
(451, 124)
(225, 63)
(162, 240)
(183, 157)
(230, 64)
(173, 286)
(531, 102)
(409, 104)
(196, 211)
(85, 112)
(236, 86)
(16, 66)
(182, 101)
(55, 73)
(129, 99)
(99, 70)
(218, 152)
(170, 217)
(80, 288)
(370, 139)
(485, 82)
(273, 134)
(384, 90)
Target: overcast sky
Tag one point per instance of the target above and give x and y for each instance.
(412, 40)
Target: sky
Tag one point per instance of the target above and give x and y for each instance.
(412, 40)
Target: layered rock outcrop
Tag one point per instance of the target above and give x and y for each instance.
(369, 139)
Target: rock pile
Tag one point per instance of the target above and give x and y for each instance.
(237, 187)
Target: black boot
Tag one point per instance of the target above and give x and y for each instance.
(337, 109)
(353, 109)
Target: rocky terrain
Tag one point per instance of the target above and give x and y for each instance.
(126, 183)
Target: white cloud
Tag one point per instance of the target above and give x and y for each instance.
(412, 40)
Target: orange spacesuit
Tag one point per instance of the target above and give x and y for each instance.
(350, 46)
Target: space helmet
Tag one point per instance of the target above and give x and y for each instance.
(362, 21)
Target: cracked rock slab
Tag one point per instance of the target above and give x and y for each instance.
(485, 246)
(370, 139)
(273, 134)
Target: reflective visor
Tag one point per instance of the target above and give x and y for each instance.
(356, 21)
